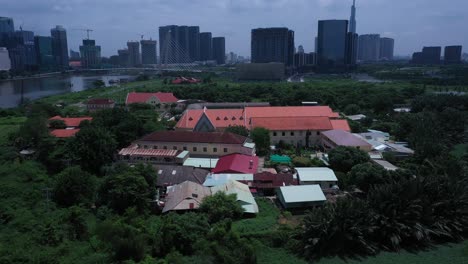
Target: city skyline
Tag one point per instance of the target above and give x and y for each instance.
(235, 19)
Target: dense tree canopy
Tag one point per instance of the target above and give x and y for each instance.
(261, 137)
(345, 158)
(74, 186)
(221, 206)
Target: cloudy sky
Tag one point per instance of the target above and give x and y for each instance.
(413, 23)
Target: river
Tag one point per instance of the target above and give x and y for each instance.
(14, 92)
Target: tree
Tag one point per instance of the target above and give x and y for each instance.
(344, 158)
(92, 147)
(74, 186)
(239, 130)
(32, 132)
(99, 83)
(261, 137)
(352, 109)
(221, 206)
(364, 175)
(57, 124)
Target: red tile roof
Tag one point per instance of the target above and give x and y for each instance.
(100, 101)
(144, 97)
(292, 123)
(64, 133)
(71, 121)
(195, 137)
(220, 118)
(290, 111)
(340, 124)
(236, 163)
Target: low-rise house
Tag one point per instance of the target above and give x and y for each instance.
(385, 164)
(64, 133)
(134, 154)
(335, 138)
(159, 99)
(72, 126)
(380, 142)
(96, 104)
(301, 196)
(356, 117)
(242, 192)
(199, 144)
(185, 196)
(236, 163)
(204, 163)
(169, 175)
(213, 180)
(324, 177)
(265, 183)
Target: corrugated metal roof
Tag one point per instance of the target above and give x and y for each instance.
(316, 174)
(302, 193)
(148, 152)
(220, 179)
(243, 195)
(201, 162)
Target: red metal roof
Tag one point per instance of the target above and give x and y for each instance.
(144, 97)
(340, 124)
(270, 180)
(148, 152)
(290, 111)
(72, 121)
(64, 133)
(194, 137)
(292, 123)
(236, 163)
(100, 101)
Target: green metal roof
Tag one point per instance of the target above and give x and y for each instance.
(280, 159)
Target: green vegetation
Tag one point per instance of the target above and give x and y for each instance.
(9, 125)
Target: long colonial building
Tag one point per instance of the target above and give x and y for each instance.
(297, 125)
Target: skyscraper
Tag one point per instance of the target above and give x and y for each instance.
(183, 44)
(219, 50)
(332, 44)
(352, 42)
(60, 46)
(148, 51)
(90, 54)
(369, 47)
(206, 46)
(387, 46)
(44, 55)
(194, 43)
(133, 53)
(352, 20)
(272, 45)
(5, 63)
(20, 45)
(452, 54)
(123, 57)
(74, 55)
(168, 44)
(429, 55)
(6, 25)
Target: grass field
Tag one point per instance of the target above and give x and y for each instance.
(267, 219)
(9, 125)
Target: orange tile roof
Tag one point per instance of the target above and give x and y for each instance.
(290, 111)
(143, 97)
(220, 118)
(64, 133)
(340, 124)
(292, 123)
(71, 121)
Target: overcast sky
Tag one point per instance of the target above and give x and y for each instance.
(413, 23)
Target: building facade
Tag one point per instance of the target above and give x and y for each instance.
(272, 45)
(148, 52)
(133, 53)
(369, 47)
(123, 57)
(194, 43)
(331, 44)
(60, 46)
(6, 25)
(90, 54)
(5, 63)
(219, 50)
(387, 46)
(429, 56)
(206, 46)
(45, 56)
(452, 54)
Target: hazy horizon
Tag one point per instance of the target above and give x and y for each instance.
(413, 24)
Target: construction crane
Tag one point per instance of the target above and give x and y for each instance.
(141, 35)
(85, 29)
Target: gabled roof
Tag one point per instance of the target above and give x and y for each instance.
(291, 111)
(169, 175)
(220, 179)
(340, 124)
(64, 133)
(100, 101)
(316, 174)
(343, 138)
(195, 137)
(302, 193)
(242, 191)
(185, 196)
(71, 121)
(292, 123)
(148, 152)
(277, 180)
(220, 118)
(236, 163)
(144, 97)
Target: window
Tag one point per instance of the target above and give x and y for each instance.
(292, 133)
(194, 148)
(318, 133)
(185, 148)
(274, 134)
(165, 147)
(225, 150)
(145, 146)
(155, 147)
(174, 148)
(215, 150)
(205, 149)
(283, 134)
(300, 133)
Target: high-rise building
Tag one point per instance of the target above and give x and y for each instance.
(168, 44)
(123, 57)
(206, 46)
(352, 43)
(332, 44)
(74, 55)
(352, 20)
(90, 54)
(60, 46)
(5, 63)
(429, 55)
(369, 47)
(302, 59)
(183, 45)
(148, 52)
(272, 45)
(219, 50)
(452, 54)
(300, 49)
(133, 53)
(6, 25)
(20, 45)
(194, 43)
(44, 55)
(387, 46)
